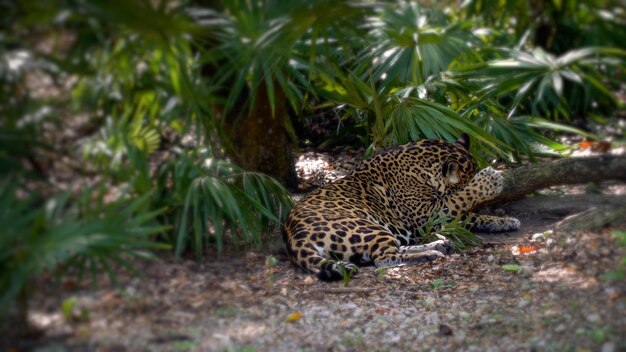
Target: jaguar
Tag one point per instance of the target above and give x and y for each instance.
(374, 214)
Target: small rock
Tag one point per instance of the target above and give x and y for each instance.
(445, 330)
(560, 328)
(611, 293)
(523, 303)
(538, 237)
(464, 315)
(429, 300)
(594, 318)
(460, 335)
(608, 347)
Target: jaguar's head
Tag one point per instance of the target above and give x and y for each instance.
(458, 166)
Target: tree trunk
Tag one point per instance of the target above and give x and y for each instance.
(259, 140)
(526, 179)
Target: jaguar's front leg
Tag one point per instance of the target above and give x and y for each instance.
(485, 185)
(490, 223)
(442, 245)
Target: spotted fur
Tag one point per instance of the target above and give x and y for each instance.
(372, 215)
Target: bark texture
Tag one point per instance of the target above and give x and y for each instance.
(526, 179)
(260, 141)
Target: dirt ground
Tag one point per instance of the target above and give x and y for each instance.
(535, 289)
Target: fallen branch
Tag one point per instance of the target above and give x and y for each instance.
(521, 181)
(345, 289)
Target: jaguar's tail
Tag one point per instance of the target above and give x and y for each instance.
(305, 256)
(331, 270)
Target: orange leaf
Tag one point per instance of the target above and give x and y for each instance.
(527, 249)
(586, 144)
(295, 316)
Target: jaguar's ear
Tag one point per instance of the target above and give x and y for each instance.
(464, 141)
(449, 170)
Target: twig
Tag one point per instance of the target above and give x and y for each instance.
(345, 289)
(469, 274)
(483, 324)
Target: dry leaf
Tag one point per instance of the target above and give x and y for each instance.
(601, 147)
(586, 144)
(295, 316)
(528, 249)
(381, 310)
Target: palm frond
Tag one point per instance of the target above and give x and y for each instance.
(411, 43)
(536, 81)
(85, 235)
(229, 203)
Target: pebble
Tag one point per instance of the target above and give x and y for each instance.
(594, 318)
(608, 347)
(459, 335)
(429, 300)
(538, 237)
(560, 328)
(611, 293)
(523, 303)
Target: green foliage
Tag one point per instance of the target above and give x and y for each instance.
(537, 82)
(346, 275)
(440, 284)
(72, 313)
(396, 117)
(455, 230)
(619, 273)
(271, 262)
(86, 235)
(411, 43)
(512, 267)
(227, 200)
(208, 200)
(261, 45)
(424, 74)
(558, 26)
(137, 82)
